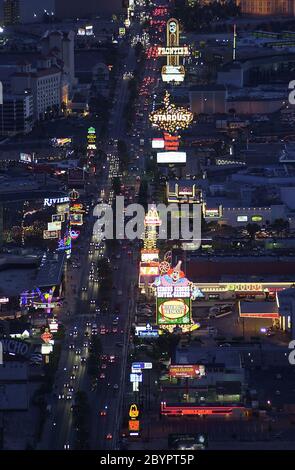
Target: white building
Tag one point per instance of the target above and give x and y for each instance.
(61, 44)
(44, 83)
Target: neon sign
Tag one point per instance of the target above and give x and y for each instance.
(171, 118)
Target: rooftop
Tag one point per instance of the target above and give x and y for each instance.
(51, 270)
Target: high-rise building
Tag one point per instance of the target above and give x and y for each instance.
(87, 8)
(267, 7)
(60, 44)
(16, 114)
(11, 9)
(25, 11)
(43, 82)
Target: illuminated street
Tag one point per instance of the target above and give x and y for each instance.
(147, 228)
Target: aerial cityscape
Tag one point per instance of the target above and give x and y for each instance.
(147, 226)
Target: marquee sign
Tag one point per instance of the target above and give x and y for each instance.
(47, 336)
(173, 71)
(171, 118)
(173, 284)
(173, 311)
(173, 51)
(56, 200)
(245, 287)
(186, 371)
(50, 234)
(150, 269)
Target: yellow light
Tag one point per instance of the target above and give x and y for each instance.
(171, 118)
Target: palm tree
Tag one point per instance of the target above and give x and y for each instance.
(252, 229)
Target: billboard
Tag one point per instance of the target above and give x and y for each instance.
(76, 219)
(77, 208)
(51, 226)
(26, 158)
(62, 208)
(50, 234)
(188, 441)
(149, 255)
(173, 311)
(170, 73)
(177, 51)
(186, 371)
(58, 217)
(61, 142)
(171, 158)
(171, 118)
(158, 143)
(149, 269)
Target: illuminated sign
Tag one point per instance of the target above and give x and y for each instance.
(62, 208)
(172, 410)
(51, 226)
(46, 305)
(133, 425)
(149, 270)
(152, 217)
(65, 243)
(50, 234)
(58, 218)
(260, 315)
(173, 284)
(256, 218)
(242, 218)
(171, 118)
(245, 287)
(46, 336)
(81, 32)
(173, 74)
(149, 255)
(122, 32)
(74, 195)
(26, 158)
(133, 411)
(171, 157)
(53, 325)
(77, 208)
(148, 333)
(173, 311)
(171, 142)
(61, 142)
(4, 300)
(74, 234)
(89, 30)
(76, 219)
(46, 349)
(173, 71)
(188, 441)
(212, 213)
(91, 139)
(57, 200)
(141, 365)
(136, 377)
(158, 144)
(181, 50)
(186, 371)
(183, 194)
